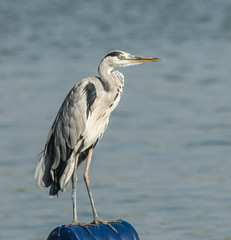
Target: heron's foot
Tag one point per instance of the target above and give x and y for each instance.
(98, 221)
(95, 223)
(84, 225)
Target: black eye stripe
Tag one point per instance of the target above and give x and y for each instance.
(113, 54)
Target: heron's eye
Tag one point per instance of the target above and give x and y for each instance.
(120, 56)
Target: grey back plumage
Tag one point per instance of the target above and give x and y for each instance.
(63, 137)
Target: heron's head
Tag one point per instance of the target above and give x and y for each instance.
(117, 59)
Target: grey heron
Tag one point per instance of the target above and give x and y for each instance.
(78, 126)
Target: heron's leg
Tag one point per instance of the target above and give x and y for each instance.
(86, 179)
(96, 220)
(74, 181)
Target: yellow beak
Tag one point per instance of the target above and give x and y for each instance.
(136, 59)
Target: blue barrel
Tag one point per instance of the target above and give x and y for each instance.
(125, 231)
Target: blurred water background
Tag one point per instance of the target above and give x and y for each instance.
(164, 162)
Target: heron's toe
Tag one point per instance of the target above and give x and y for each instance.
(98, 221)
(84, 225)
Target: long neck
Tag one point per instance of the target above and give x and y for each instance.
(111, 79)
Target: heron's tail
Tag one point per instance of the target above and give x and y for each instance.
(57, 179)
(43, 173)
(61, 176)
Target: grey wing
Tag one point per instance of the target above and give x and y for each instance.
(68, 126)
(63, 138)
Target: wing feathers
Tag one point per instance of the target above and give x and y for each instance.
(57, 163)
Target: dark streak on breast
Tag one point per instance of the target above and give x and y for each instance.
(116, 96)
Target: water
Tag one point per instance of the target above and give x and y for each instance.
(164, 163)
